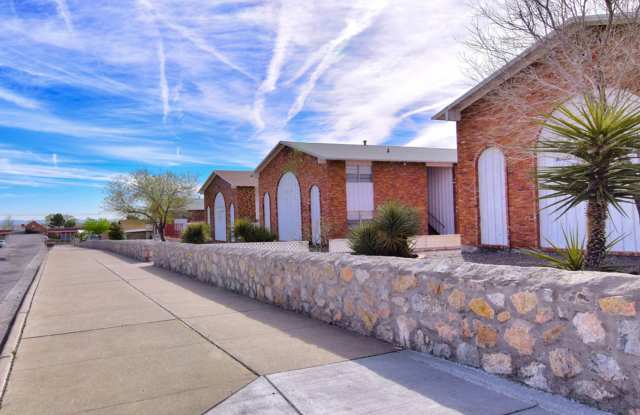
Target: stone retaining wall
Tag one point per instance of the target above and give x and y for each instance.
(571, 333)
(140, 249)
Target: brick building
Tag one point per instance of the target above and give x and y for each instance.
(228, 195)
(316, 191)
(497, 195)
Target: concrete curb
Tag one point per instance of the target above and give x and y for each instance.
(12, 302)
(11, 341)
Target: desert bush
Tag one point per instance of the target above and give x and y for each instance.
(115, 231)
(246, 231)
(196, 233)
(388, 233)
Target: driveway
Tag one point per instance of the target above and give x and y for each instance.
(108, 335)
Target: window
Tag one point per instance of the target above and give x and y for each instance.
(359, 192)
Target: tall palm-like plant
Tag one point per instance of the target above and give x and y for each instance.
(602, 134)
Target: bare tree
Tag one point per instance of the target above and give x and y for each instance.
(544, 53)
(154, 198)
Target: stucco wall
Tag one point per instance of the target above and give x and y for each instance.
(571, 333)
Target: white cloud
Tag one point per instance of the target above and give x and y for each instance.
(18, 100)
(64, 13)
(439, 134)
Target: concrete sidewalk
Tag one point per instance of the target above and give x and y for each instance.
(107, 335)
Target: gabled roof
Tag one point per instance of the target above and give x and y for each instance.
(236, 178)
(452, 111)
(327, 151)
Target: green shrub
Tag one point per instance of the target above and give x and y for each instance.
(246, 231)
(571, 258)
(363, 239)
(196, 233)
(115, 231)
(389, 232)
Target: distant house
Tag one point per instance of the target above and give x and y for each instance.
(196, 211)
(34, 227)
(228, 195)
(498, 201)
(316, 191)
(63, 234)
(136, 229)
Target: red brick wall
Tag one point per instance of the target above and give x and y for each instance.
(197, 216)
(245, 203)
(484, 125)
(218, 185)
(329, 177)
(404, 182)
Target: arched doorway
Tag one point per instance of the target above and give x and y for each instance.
(289, 210)
(492, 192)
(220, 218)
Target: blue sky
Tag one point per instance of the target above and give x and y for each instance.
(93, 89)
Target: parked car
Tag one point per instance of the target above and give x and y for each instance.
(2, 243)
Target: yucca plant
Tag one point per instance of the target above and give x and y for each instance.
(602, 134)
(572, 257)
(363, 239)
(389, 232)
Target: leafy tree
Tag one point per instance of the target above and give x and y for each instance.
(55, 220)
(115, 231)
(155, 198)
(96, 226)
(70, 222)
(602, 135)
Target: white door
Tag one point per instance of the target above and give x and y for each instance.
(220, 220)
(315, 215)
(553, 224)
(232, 220)
(267, 211)
(492, 192)
(289, 210)
(440, 200)
(625, 227)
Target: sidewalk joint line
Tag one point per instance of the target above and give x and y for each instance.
(295, 408)
(180, 319)
(97, 329)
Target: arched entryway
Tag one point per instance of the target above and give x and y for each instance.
(492, 192)
(316, 237)
(289, 209)
(220, 218)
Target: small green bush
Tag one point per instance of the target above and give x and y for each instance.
(246, 231)
(571, 258)
(115, 231)
(389, 232)
(196, 233)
